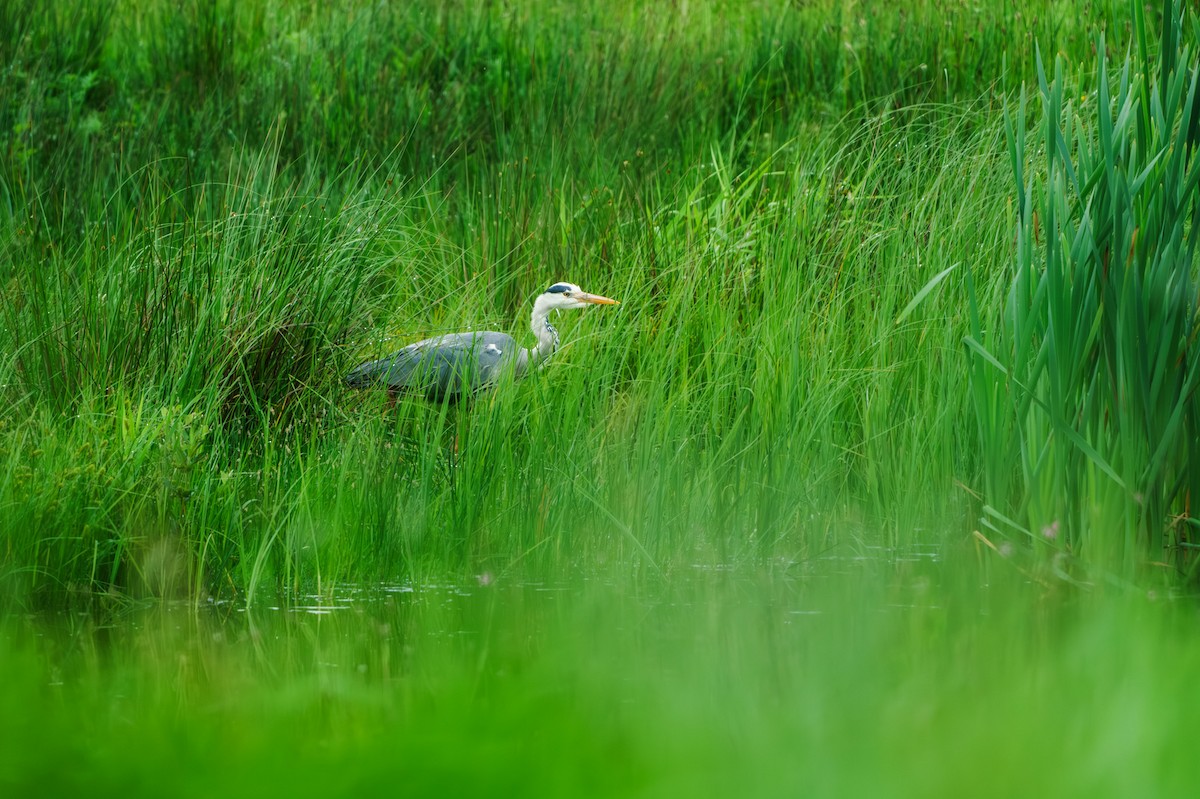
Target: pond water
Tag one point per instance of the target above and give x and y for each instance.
(880, 673)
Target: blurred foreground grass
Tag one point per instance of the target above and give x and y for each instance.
(859, 675)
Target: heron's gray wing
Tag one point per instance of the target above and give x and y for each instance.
(493, 352)
(442, 367)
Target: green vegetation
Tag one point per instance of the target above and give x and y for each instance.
(895, 277)
(217, 208)
(1092, 407)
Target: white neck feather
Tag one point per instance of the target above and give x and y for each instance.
(547, 337)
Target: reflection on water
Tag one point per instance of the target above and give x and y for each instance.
(786, 587)
(408, 624)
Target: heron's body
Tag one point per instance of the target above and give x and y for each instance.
(451, 367)
(443, 368)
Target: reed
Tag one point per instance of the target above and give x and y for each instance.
(1085, 387)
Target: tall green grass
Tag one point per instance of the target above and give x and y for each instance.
(1087, 399)
(754, 396)
(211, 211)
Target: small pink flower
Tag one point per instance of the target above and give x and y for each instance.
(485, 579)
(1050, 531)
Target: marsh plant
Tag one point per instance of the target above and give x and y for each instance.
(210, 211)
(1084, 382)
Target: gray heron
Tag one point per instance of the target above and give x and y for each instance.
(458, 364)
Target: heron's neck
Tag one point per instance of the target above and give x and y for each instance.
(547, 336)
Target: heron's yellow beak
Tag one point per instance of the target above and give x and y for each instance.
(595, 299)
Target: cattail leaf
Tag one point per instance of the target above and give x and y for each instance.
(982, 352)
(1139, 181)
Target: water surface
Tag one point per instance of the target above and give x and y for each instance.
(865, 673)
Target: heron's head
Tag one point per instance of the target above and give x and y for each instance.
(561, 296)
